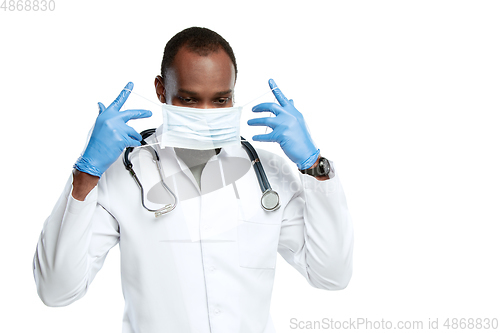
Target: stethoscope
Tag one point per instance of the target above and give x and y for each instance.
(269, 200)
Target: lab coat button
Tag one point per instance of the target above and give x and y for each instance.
(211, 268)
(217, 311)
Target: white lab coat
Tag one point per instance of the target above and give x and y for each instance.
(208, 266)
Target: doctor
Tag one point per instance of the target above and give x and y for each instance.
(208, 266)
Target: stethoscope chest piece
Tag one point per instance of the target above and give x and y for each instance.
(270, 200)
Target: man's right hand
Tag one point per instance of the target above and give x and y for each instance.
(111, 135)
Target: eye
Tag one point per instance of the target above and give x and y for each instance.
(222, 100)
(186, 100)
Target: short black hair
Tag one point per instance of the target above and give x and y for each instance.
(202, 41)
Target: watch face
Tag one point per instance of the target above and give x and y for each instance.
(324, 166)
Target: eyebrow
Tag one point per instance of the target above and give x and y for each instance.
(194, 93)
(224, 92)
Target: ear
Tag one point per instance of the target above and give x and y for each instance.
(160, 89)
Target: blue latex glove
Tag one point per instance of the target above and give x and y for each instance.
(111, 135)
(289, 129)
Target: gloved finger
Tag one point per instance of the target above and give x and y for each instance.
(291, 102)
(264, 137)
(133, 143)
(101, 107)
(132, 133)
(122, 98)
(269, 107)
(267, 121)
(135, 114)
(277, 93)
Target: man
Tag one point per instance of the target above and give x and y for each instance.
(207, 266)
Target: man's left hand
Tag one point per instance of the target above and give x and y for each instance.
(289, 129)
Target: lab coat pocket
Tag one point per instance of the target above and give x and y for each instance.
(257, 244)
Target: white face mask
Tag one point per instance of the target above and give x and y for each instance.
(202, 129)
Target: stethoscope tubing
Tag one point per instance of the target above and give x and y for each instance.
(265, 186)
(259, 170)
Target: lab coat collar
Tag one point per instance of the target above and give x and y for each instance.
(183, 166)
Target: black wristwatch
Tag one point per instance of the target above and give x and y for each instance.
(322, 169)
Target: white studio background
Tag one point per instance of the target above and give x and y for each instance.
(402, 95)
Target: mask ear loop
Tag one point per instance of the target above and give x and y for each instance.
(147, 99)
(160, 105)
(264, 94)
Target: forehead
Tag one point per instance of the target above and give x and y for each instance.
(202, 74)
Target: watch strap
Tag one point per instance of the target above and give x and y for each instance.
(321, 169)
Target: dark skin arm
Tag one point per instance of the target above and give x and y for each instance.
(83, 183)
